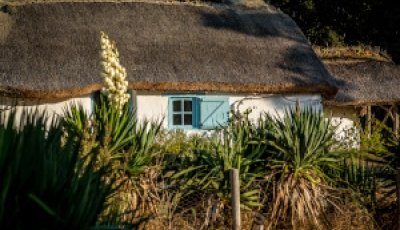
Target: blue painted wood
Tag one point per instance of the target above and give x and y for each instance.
(208, 112)
(182, 98)
(214, 111)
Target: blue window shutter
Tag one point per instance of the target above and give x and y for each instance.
(214, 111)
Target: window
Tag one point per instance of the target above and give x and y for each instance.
(182, 112)
(197, 112)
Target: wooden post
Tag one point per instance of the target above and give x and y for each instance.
(235, 193)
(369, 121)
(398, 196)
(396, 121)
(258, 223)
(396, 133)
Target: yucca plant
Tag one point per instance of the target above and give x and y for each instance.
(44, 183)
(229, 148)
(298, 159)
(127, 145)
(364, 167)
(123, 142)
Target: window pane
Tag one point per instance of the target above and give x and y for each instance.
(177, 119)
(187, 106)
(176, 106)
(188, 119)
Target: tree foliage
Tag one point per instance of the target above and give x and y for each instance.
(343, 22)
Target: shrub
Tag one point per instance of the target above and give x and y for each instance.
(209, 167)
(128, 146)
(297, 161)
(44, 182)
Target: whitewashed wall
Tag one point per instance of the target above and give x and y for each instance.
(272, 104)
(151, 106)
(345, 118)
(155, 105)
(51, 107)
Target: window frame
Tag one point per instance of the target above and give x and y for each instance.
(194, 112)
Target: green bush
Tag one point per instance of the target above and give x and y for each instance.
(208, 169)
(297, 161)
(325, 35)
(127, 145)
(44, 182)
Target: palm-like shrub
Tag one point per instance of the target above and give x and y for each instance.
(128, 146)
(362, 172)
(44, 183)
(123, 140)
(209, 168)
(299, 157)
(366, 170)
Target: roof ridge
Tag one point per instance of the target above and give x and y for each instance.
(244, 5)
(355, 53)
(164, 2)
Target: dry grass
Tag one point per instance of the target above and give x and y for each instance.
(301, 203)
(351, 53)
(352, 216)
(252, 4)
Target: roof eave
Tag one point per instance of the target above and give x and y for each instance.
(359, 103)
(326, 91)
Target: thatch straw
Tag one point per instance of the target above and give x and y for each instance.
(365, 82)
(355, 53)
(51, 50)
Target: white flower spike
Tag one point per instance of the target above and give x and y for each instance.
(113, 73)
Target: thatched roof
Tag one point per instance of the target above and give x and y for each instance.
(51, 50)
(365, 82)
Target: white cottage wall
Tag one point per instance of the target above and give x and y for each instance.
(272, 104)
(51, 107)
(153, 105)
(345, 118)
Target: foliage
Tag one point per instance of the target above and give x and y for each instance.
(122, 139)
(127, 145)
(366, 173)
(297, 162)
(179, 143)
(123, 142)
(230, 148)
(366, 168)
(44, 182)
(325, 35)
(333, 23)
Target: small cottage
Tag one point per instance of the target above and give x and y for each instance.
(368, 91)
(189, 63)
